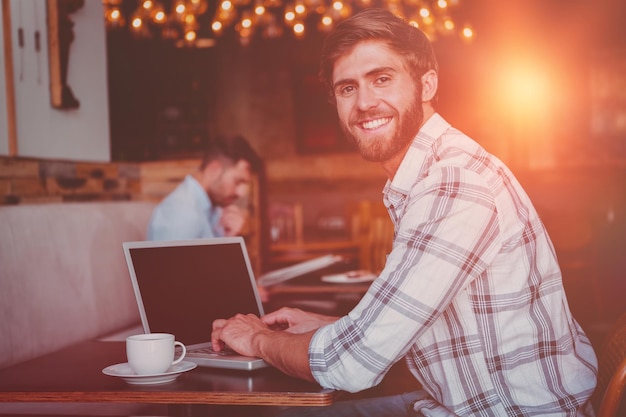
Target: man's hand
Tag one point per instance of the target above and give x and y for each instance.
(294, 320)
(233, 219)
(238, 333)
(285, 350)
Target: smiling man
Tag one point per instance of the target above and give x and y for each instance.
(471, 295)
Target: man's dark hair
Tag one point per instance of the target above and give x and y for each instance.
(377, 24)
(233, 148)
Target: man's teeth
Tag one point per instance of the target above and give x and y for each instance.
(374, 124)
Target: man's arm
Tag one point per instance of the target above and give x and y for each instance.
(286, 350)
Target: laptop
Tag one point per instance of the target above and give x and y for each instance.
(182, 286)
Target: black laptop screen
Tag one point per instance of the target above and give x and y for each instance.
(184, 288)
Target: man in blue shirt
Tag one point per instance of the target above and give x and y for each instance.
(203, 205)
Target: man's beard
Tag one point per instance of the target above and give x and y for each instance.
(380, 149)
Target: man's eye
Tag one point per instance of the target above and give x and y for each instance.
(382, 80)
(346, 90)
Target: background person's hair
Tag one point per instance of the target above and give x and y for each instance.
(233, 148)
(377, 24)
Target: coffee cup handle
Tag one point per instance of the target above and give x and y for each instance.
(182, 354)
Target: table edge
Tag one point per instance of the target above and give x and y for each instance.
(323, 398)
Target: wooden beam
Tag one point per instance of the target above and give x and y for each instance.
(9, 78)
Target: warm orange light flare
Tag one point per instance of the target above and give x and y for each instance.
(525, 88)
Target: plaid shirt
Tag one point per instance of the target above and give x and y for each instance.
(471, 294)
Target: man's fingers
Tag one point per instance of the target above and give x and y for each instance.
(216, 340)
(218, 324)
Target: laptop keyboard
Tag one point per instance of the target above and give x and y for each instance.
(208, 350)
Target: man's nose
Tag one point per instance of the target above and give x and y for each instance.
(367, 98)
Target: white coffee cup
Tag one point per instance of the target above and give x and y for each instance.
(152, 353)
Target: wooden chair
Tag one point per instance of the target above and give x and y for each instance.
(612, 373)
(373, 228)
(286, 221)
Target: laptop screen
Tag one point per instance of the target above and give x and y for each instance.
(182, 286)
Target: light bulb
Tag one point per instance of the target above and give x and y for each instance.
(298, 29)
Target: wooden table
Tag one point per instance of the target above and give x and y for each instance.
(288, 253)
(322, 288)
(75, 375)
(310, 293)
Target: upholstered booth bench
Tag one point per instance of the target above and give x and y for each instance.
(63, 278)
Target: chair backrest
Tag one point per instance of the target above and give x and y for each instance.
(612, 372)
(286, 222)
(373, 228)
(380, 239)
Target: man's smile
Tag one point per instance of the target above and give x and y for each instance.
(375, 123)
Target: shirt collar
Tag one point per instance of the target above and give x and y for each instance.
(414, 162)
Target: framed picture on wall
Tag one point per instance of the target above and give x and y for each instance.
(317, 126)
(60, 37)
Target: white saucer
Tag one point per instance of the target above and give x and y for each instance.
(124, 371)
(351, 277)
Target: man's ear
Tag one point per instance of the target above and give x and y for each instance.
(213, 169)
(430, 81)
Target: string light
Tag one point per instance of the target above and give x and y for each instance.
(269, 18)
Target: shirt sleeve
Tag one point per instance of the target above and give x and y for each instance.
(446, 236)
(179, 223)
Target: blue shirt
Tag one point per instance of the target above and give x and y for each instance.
(471, 294)
(186, 213)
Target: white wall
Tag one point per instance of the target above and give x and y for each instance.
(46, 132)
